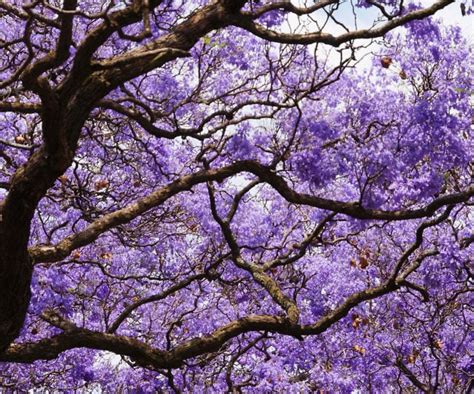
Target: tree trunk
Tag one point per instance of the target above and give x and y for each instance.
(27, 187)
(15, 271)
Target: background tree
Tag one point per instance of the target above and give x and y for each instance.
(205, 195)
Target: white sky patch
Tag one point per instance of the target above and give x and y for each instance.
(363, 18)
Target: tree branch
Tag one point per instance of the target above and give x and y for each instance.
(247, 23)
(185, 183)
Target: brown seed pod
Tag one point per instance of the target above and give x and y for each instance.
(63, 179)
(386, 61)
(359, 349)
(19, 139)
(438, 344)
(363, 262)
(102, 184)
(412, 358)
(356, 322)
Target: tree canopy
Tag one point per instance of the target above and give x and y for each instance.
(230, 195)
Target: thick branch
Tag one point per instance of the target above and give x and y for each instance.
(248, 24)
(17, 107)
(147, 356)
(257, 272)
(412, 377)
(185, 183)
(59, 54)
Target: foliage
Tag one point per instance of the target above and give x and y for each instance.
(202, 200)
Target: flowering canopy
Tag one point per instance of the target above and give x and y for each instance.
(235, 195)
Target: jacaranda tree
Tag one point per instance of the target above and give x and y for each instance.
(231, 195)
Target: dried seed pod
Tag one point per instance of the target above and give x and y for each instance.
(386, 61)
(102, 184)
(20, 139)
(359, 349)
(363, 262)
(356, 321)
(63, 179)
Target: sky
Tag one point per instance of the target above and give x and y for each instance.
(451, 15)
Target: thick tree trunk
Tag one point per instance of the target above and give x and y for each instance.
(28, 186)
(15, 278)
(15, 269)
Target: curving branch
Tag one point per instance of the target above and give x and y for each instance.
(208, 274)
(257, 272)
(265, 174)
(149, 357)
(288, 6)
(246, 22)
